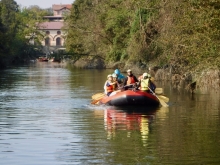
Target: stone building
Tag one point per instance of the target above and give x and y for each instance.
(54, 36)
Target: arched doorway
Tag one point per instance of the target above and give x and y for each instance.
(58, 41)
(47, 41)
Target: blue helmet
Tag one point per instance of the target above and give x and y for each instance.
(117, 71)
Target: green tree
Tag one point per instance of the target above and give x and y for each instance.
(184, 33)
(18, 27)
(9, 24)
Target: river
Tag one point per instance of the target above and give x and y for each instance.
(46, 119)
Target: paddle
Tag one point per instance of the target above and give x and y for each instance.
(160, 100)
(159, 91)
(130, 85)
(95, 101)
(164, 98)
(97, 97)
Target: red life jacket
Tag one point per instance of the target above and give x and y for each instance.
(109, 88)
(130, 80)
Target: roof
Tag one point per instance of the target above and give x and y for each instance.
(51, 25)
(61, 6)
(57, 16)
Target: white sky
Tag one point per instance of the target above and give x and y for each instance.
(42, 3)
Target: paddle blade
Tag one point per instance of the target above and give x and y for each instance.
(164, 98)
(159, 91)
(95, 102)
(163, 103)
(98, 96)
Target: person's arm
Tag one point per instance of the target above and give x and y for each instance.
(135, 79)
(152, 85)
(117, 84)
(108, 83)
(125, 82)
(119, 81)
(138, 84)
(105, 90)
(152, 81)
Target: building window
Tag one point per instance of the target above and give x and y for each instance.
(47, 41)
(47, 32)
(58, 32)
(58, 41)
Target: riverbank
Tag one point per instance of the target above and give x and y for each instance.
(180, 77)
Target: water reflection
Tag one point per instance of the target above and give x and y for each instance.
(129, 120)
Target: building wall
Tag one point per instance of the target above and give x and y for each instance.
(60, 12)
(53, 37)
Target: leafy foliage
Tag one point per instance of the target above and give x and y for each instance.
(182, 32)
(193, 35)
(18, 27)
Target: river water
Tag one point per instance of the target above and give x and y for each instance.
(46, 119)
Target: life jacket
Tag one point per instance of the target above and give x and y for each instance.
(144, 84)
(130, 80)
(115, 86)
(109, 88)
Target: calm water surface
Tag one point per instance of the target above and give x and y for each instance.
(46, 119)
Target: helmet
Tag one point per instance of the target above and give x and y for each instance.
(114, 75)
(145, 75)
(129, 70)
(117, 71)
(109, 76)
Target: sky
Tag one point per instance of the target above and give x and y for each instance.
(42, 3)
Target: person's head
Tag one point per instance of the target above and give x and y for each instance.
(114, 76)
(109, 77)
(117, 71)
(129, 72)
(145, 76)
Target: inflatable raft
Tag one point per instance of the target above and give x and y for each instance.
(130, 97)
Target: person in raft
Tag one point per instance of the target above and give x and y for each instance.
(130, 80)
(109, 85)
(120, 77)
(145, 83)
(116, 85)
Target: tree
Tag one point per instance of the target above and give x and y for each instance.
(18, 27)
(9, 23)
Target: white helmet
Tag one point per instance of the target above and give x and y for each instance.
(114, 75)
(109, 76)
(145, 75)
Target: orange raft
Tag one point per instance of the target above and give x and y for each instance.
(130, 97)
